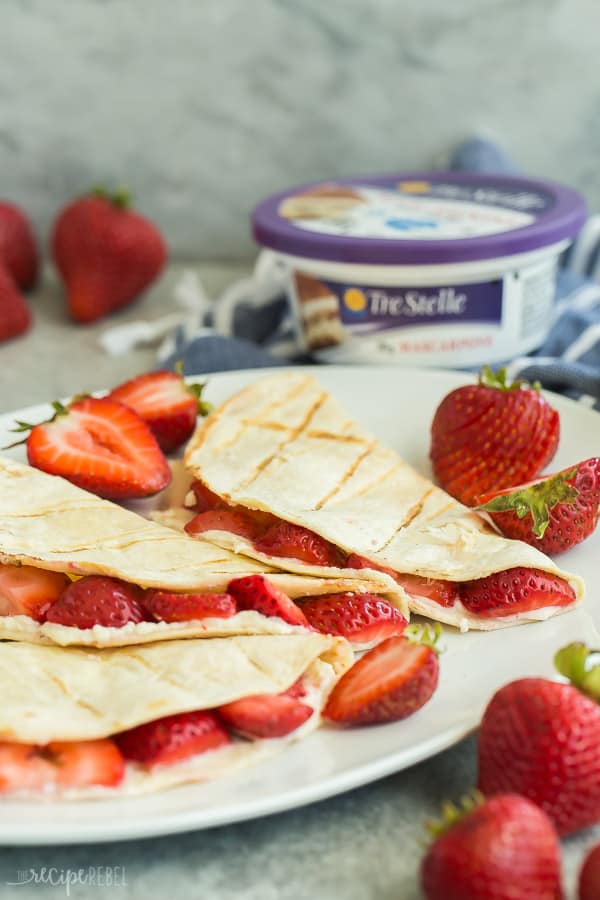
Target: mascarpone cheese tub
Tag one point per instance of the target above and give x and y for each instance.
(421, 268)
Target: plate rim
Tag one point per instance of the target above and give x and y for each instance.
(197, 818)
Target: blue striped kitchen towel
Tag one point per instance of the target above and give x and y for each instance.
(261, 332)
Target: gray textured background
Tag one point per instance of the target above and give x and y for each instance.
(205, 106)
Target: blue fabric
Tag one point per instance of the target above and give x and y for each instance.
(568, 360)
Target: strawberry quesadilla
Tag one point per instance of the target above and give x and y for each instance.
(283, 475)
(79, 570)
(101, 723)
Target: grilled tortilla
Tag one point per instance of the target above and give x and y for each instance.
(50, 523)
(285, 446)
(76, 694)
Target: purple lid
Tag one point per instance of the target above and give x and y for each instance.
(418, 218)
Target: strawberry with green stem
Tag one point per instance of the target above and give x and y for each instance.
(541, 739)
(504, 848)
(100, 445)
(553, 513)
(167, 403)
(491, 435)
(105, 252)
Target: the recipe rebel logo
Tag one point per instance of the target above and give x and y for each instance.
(109, 877)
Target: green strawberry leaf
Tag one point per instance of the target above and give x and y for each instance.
(573, 661)
(536, 499)
(497, 380)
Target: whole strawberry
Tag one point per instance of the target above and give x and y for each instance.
(541, 739)
(589, 876)
(505, 849)
(106, 254)
(18, 248)
(491, 435)
(552, 513)
(15, 317)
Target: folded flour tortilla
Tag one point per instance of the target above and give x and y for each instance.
(82, 694)
(285, 446)
(48, 522)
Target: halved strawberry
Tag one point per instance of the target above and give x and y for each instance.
(513, 591)
(97, 600)
(552, 513)
(391, 681)
(100, 445)
(361, 618)
(173, 738)
(60, 764)
(446, 593)
(29, 591)
(491, 435)
(257, 592)
(166, 403)
(443, 592)
(170, 607)
(295, 542)
(265, 715)
(234, 522)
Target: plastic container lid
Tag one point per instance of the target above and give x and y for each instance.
(418, 218)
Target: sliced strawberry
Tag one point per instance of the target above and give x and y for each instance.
(171, 607)
(391, 681)
(102, 446)
(223, 520)
(355, 561)
(205, 498)
(361, 618)
(295, 542)
(297, 690)
(60, 764)
(445, 593)
(513, 591)
(97, 600)
(265, 715)
(166, 403)
(29, 591)
(553, 513)
(257, 592)
(87, 762)
(173, 738)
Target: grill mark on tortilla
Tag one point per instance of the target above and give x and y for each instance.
(340, 438)
(269, 426)
(375, 482)
(347, 475)
(412, 514)
(82, 703)
(15, 514)
(200, 437)
(293, 435)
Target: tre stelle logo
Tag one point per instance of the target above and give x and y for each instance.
(355, 302)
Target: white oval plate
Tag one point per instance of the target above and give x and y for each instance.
(397, 404)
